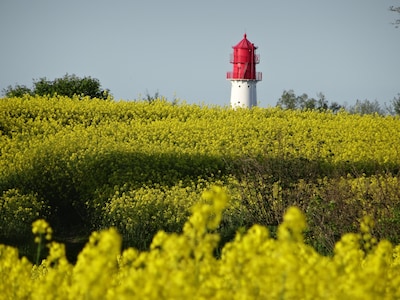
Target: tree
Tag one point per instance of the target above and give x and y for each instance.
(366, 107)
(17, 91)
(396, 104)
(150, 98)
(322, 103)
(396, 9)
(289, 100)
(335, 107)
(69, 85)
(304, 103)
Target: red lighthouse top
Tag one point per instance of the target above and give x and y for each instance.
(244, 60)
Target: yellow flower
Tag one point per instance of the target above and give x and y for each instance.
(294, 223)
(41, 227)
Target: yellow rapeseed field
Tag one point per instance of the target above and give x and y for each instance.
(135, 167)
(183, 266)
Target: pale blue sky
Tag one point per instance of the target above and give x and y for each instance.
(346, 49)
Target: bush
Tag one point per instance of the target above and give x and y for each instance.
(17, 212)
(69, 85)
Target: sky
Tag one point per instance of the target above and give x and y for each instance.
(346, 49)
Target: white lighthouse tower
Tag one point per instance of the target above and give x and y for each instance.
(244, 77)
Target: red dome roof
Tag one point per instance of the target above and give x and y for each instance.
(245, 44)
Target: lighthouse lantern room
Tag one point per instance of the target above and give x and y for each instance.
(244, 76)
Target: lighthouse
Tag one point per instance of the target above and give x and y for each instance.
(244, 77)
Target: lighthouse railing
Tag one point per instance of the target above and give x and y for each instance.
(231, 75)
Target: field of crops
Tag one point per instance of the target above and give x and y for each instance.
(183, 266)
(140, 168)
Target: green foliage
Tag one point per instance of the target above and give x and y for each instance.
(366, 107)
(17, 212)
(289, 100)
(68, 85)
(332, 205)
(151, 98)
(138, 213)
(396, 104)
(17, 91)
